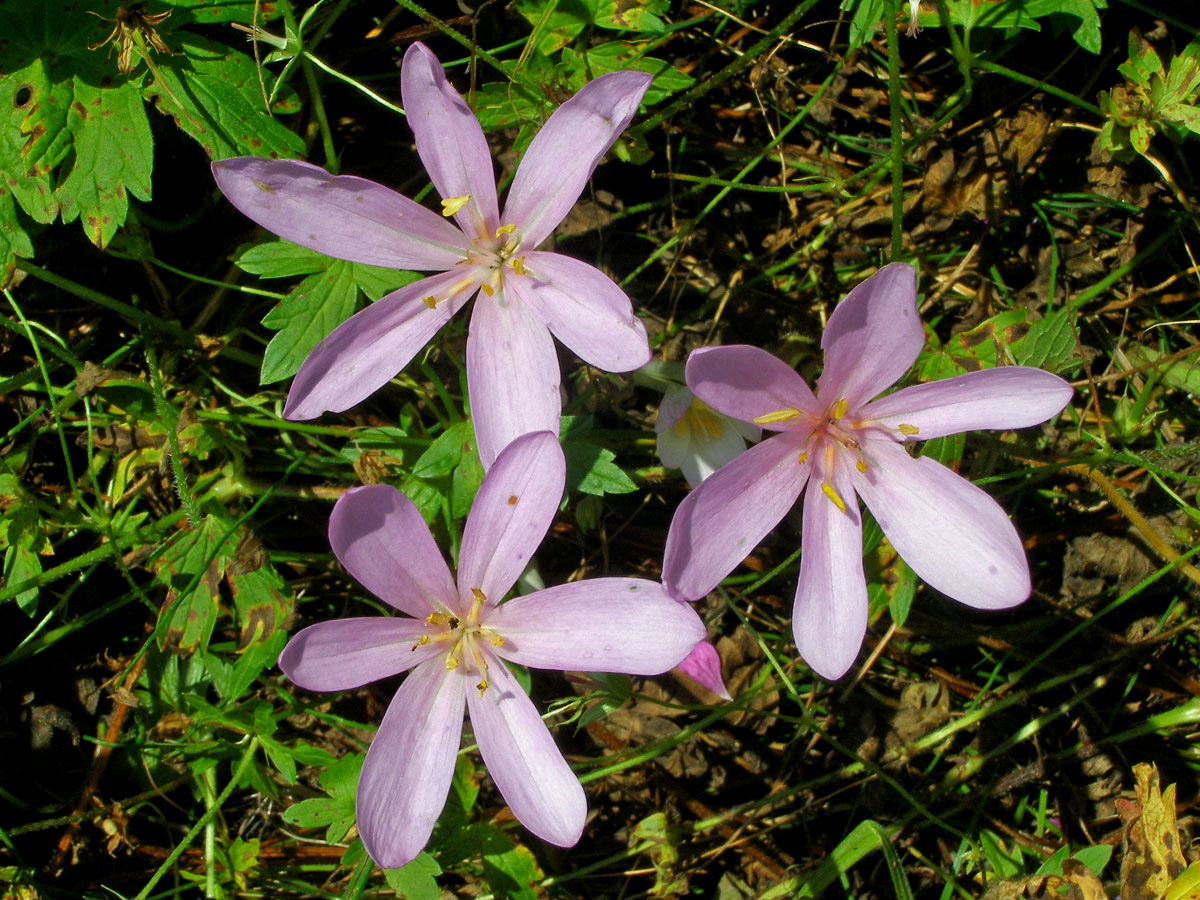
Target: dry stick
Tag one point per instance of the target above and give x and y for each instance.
(99, 762)
(1144, 528)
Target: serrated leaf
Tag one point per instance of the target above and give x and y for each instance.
(14, 241)
(1049, 343)
(69, 122)
(592, 470)
(314, 308)
(618, 55)
(335, 812)
(113, 156)
(213, 93)
(417, 880)
(192, 566)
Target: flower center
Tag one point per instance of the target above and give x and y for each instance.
(464, 636)
(699, 420)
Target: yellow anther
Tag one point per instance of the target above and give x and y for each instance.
(518, 266)
(421, 641)
(431, 302)
(451, 663)
(803, 458)
(437, 618)
(487, 289)
(496, 640)
(451, 205)
(478, 596)
(482, 686)
(861, 466)
(780, 415)
(839, 409)
(505, 229)
(909, 430)
(828, 491)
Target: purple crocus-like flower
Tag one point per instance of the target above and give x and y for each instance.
(525, 294)
(844, 444)
(457, 639)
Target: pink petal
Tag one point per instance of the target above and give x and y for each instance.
(703, 666)
(381, 539)
(534, 779)
(954, 535)
(1009, 397)
(367, 350)
(449, 141)
(407, 772)
(744, 382)
(561, 157)
(721, 522)
(624, 625)
(675, 402)
(348, 653)
(830, 616)
(512, 374)
(584, 309)
(872, 338)
(510, 515)
(341, 216)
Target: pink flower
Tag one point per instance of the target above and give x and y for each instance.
(844, 444)
(456, 642)
(525, 294)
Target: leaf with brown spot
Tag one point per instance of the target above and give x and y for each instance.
(1153, 856)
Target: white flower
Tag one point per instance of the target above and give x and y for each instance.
(696, 438)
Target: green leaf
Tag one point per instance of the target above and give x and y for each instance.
(315, 307)
(445, 452)
(511, 870)
(1049, 343)
(1095, 857)
(76, 139)
(191, 566)
(592, 470)
(336, 812)
(417, 880)
(280, 259)
(214, 94)
(465, 481)
(14, 240)
(113, 156)
(188, 11)
(1183, 374)
(617, 55)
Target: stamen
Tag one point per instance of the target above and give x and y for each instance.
(451, 663)
(437, 618)
(496, 640)
(780, 415)
(828, 491)
(482, 686)
(421, 641)
(487, 289)
(861, 466)
(431, 302)
(518, 266)
(451, 205)
(909, 430)
(505, 229)
(803, 458)
(839, 409)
